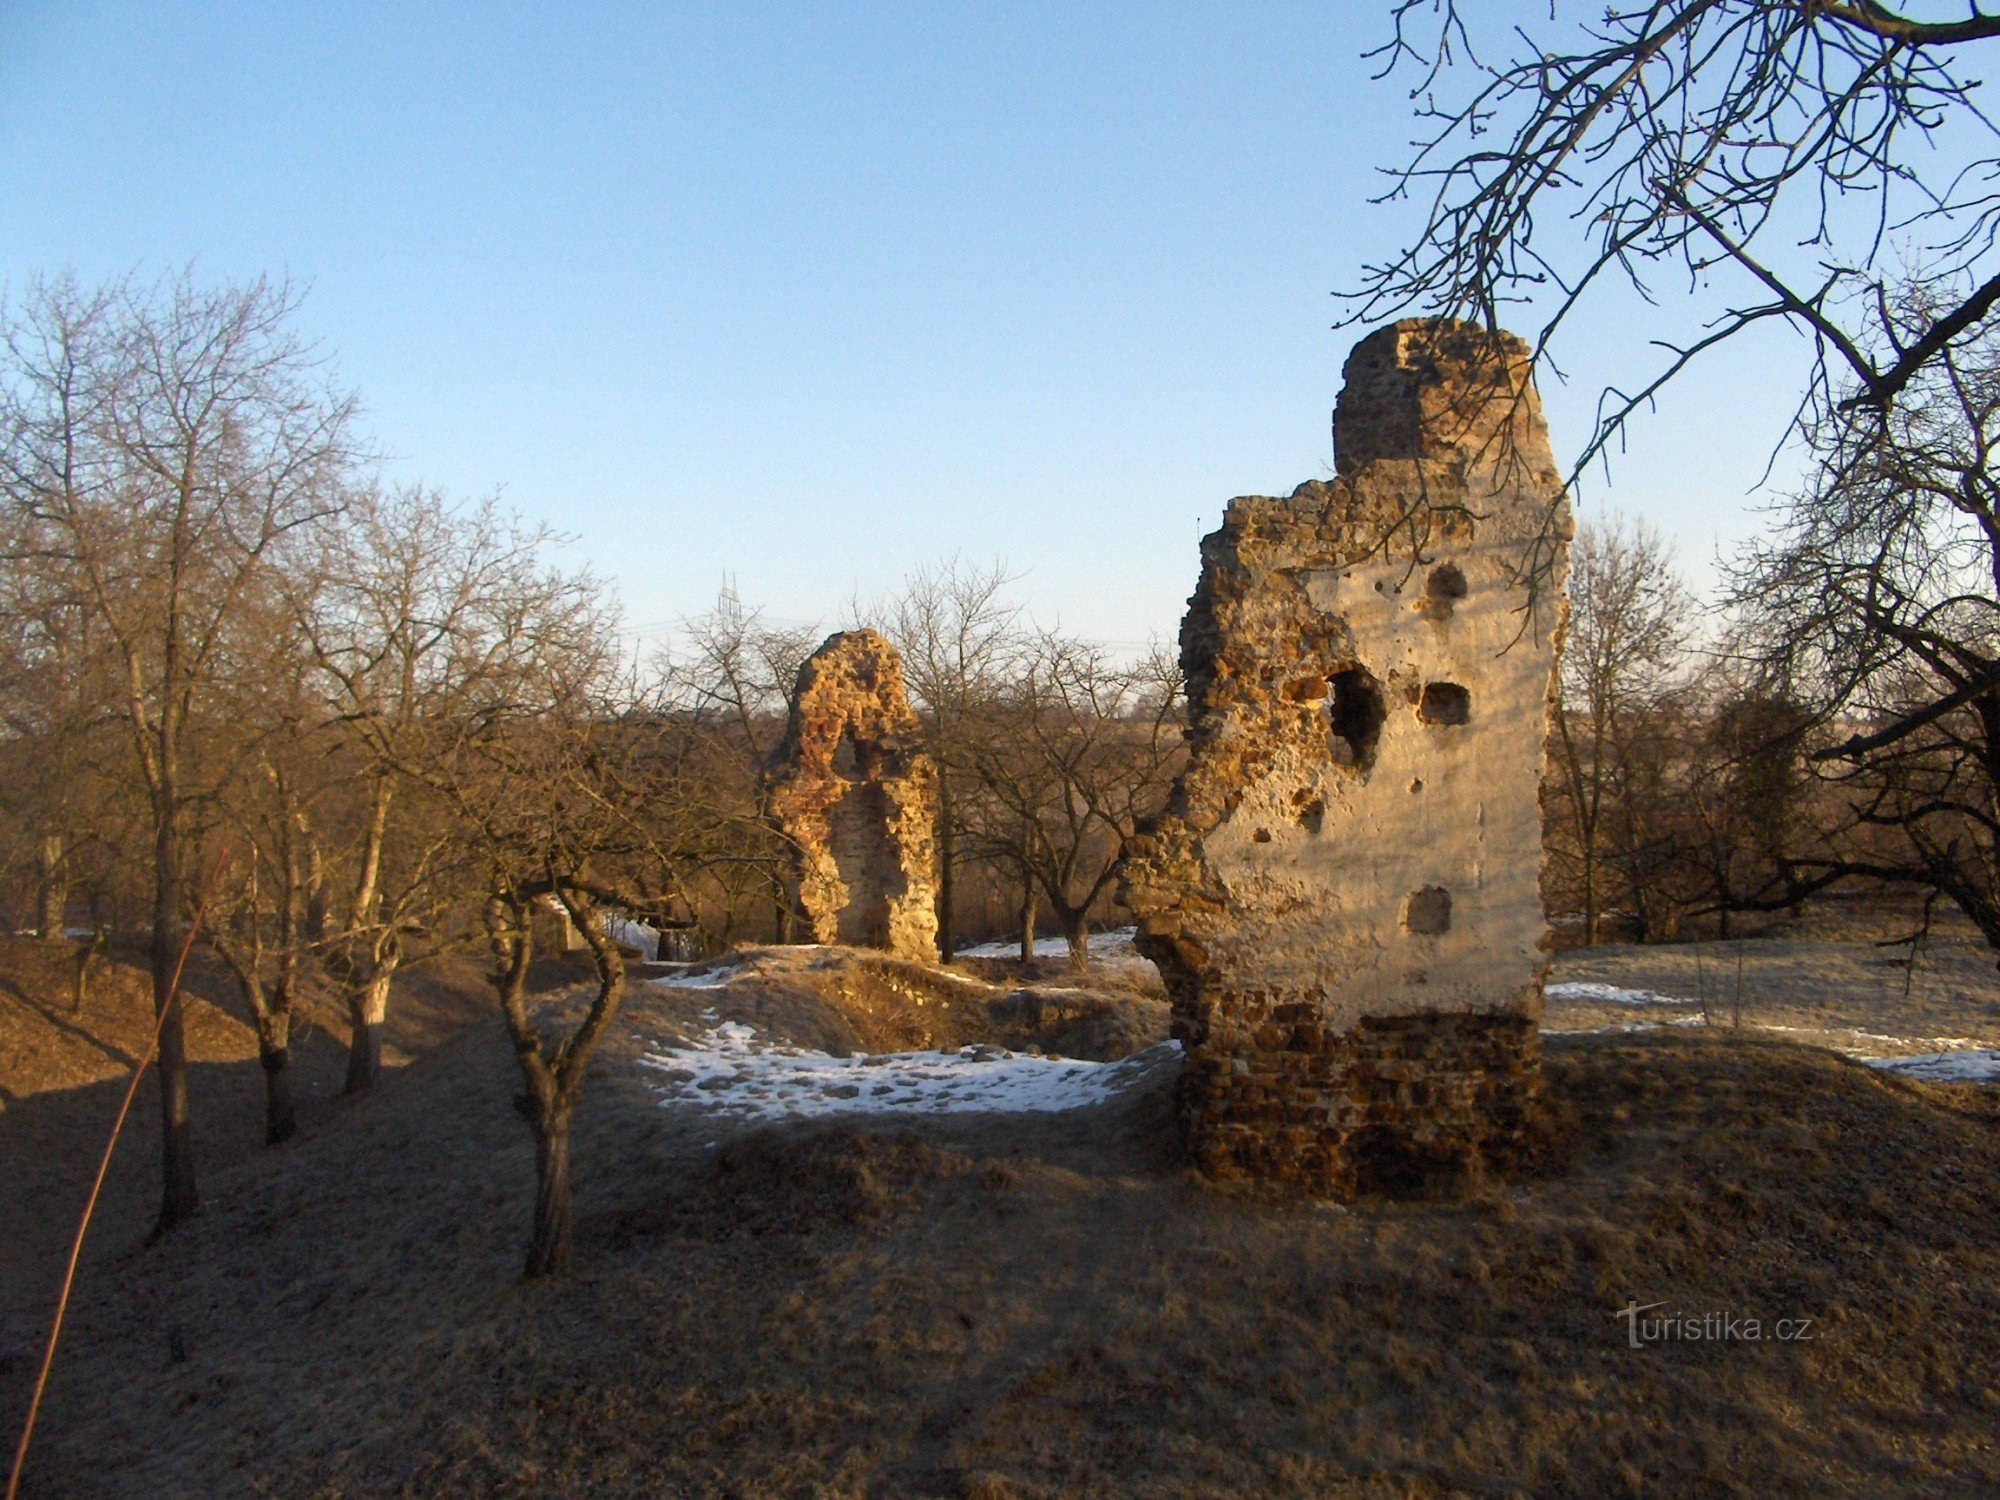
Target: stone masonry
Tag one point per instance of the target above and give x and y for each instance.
(1343, 893)
(853, 792)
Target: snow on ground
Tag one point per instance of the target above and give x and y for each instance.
(1115, 943)
(697, 979)
(1866, 1054)
(1610, 994)
(640, 935)
(1968, 1065)
(731, 1071)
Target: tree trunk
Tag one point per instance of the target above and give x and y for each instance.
(79, 984)
(275, 1053)
(785, 920)
(1076, 932)
(51, 889)
(548, 1251)
(316, 903)
(179, 1197)
(1029, 911)
(366, 1013)
(947, 880)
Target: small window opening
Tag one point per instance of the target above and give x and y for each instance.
(1428, 910)
(1444, 588)
(1354, 718)
(1445, 703)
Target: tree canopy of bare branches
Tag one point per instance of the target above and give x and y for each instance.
(161, 447)
(1782, 159)
(1878, 604)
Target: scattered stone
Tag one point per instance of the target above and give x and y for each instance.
(1343, 895)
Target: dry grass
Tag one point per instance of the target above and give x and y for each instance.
(62, 1073)
(1834, 978)
(1000, 1306)
(843, 1000)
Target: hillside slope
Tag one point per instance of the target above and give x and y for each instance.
(1017, 1304)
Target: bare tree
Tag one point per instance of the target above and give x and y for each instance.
(959, 640)
(1746, 796)
(727, 696)
(1879, 605)
(161, 445)
(258, 929)
(1630, 619)
(423, 624)
(55, 703)
(1787, 158)
(1075, 754)
(563, 786)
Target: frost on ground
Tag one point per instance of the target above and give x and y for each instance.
(730, 1071)
(1610, 994)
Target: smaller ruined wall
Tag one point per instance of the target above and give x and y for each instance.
(853, 792)
(1343, 894)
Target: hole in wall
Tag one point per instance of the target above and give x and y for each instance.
(1444, 588)
(1310, 815)
(1354, 717)
(1444, 703)
(1428, 910)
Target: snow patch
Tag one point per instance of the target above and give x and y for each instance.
(699, 979)
(1114, 943)
(1967, 1065)
(730, 1071)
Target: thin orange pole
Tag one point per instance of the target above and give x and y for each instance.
(97, 1185)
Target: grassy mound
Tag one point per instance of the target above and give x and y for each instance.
(1037, 1305)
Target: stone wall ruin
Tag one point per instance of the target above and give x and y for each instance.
(1343, 893)
(854, 794)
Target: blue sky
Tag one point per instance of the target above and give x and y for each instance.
(803, 295)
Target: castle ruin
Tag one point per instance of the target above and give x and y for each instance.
(1343, 893)
(855, 795)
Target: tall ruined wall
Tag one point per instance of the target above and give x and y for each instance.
(856, 796)
(1344, 891)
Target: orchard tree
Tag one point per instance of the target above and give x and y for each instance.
(961, 645)
(563, 788)
(1076, 750)
(725, 698)
(161, 447)
(421, 620)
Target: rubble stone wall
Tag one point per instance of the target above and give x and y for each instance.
(1343, 894)
(852, 790)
